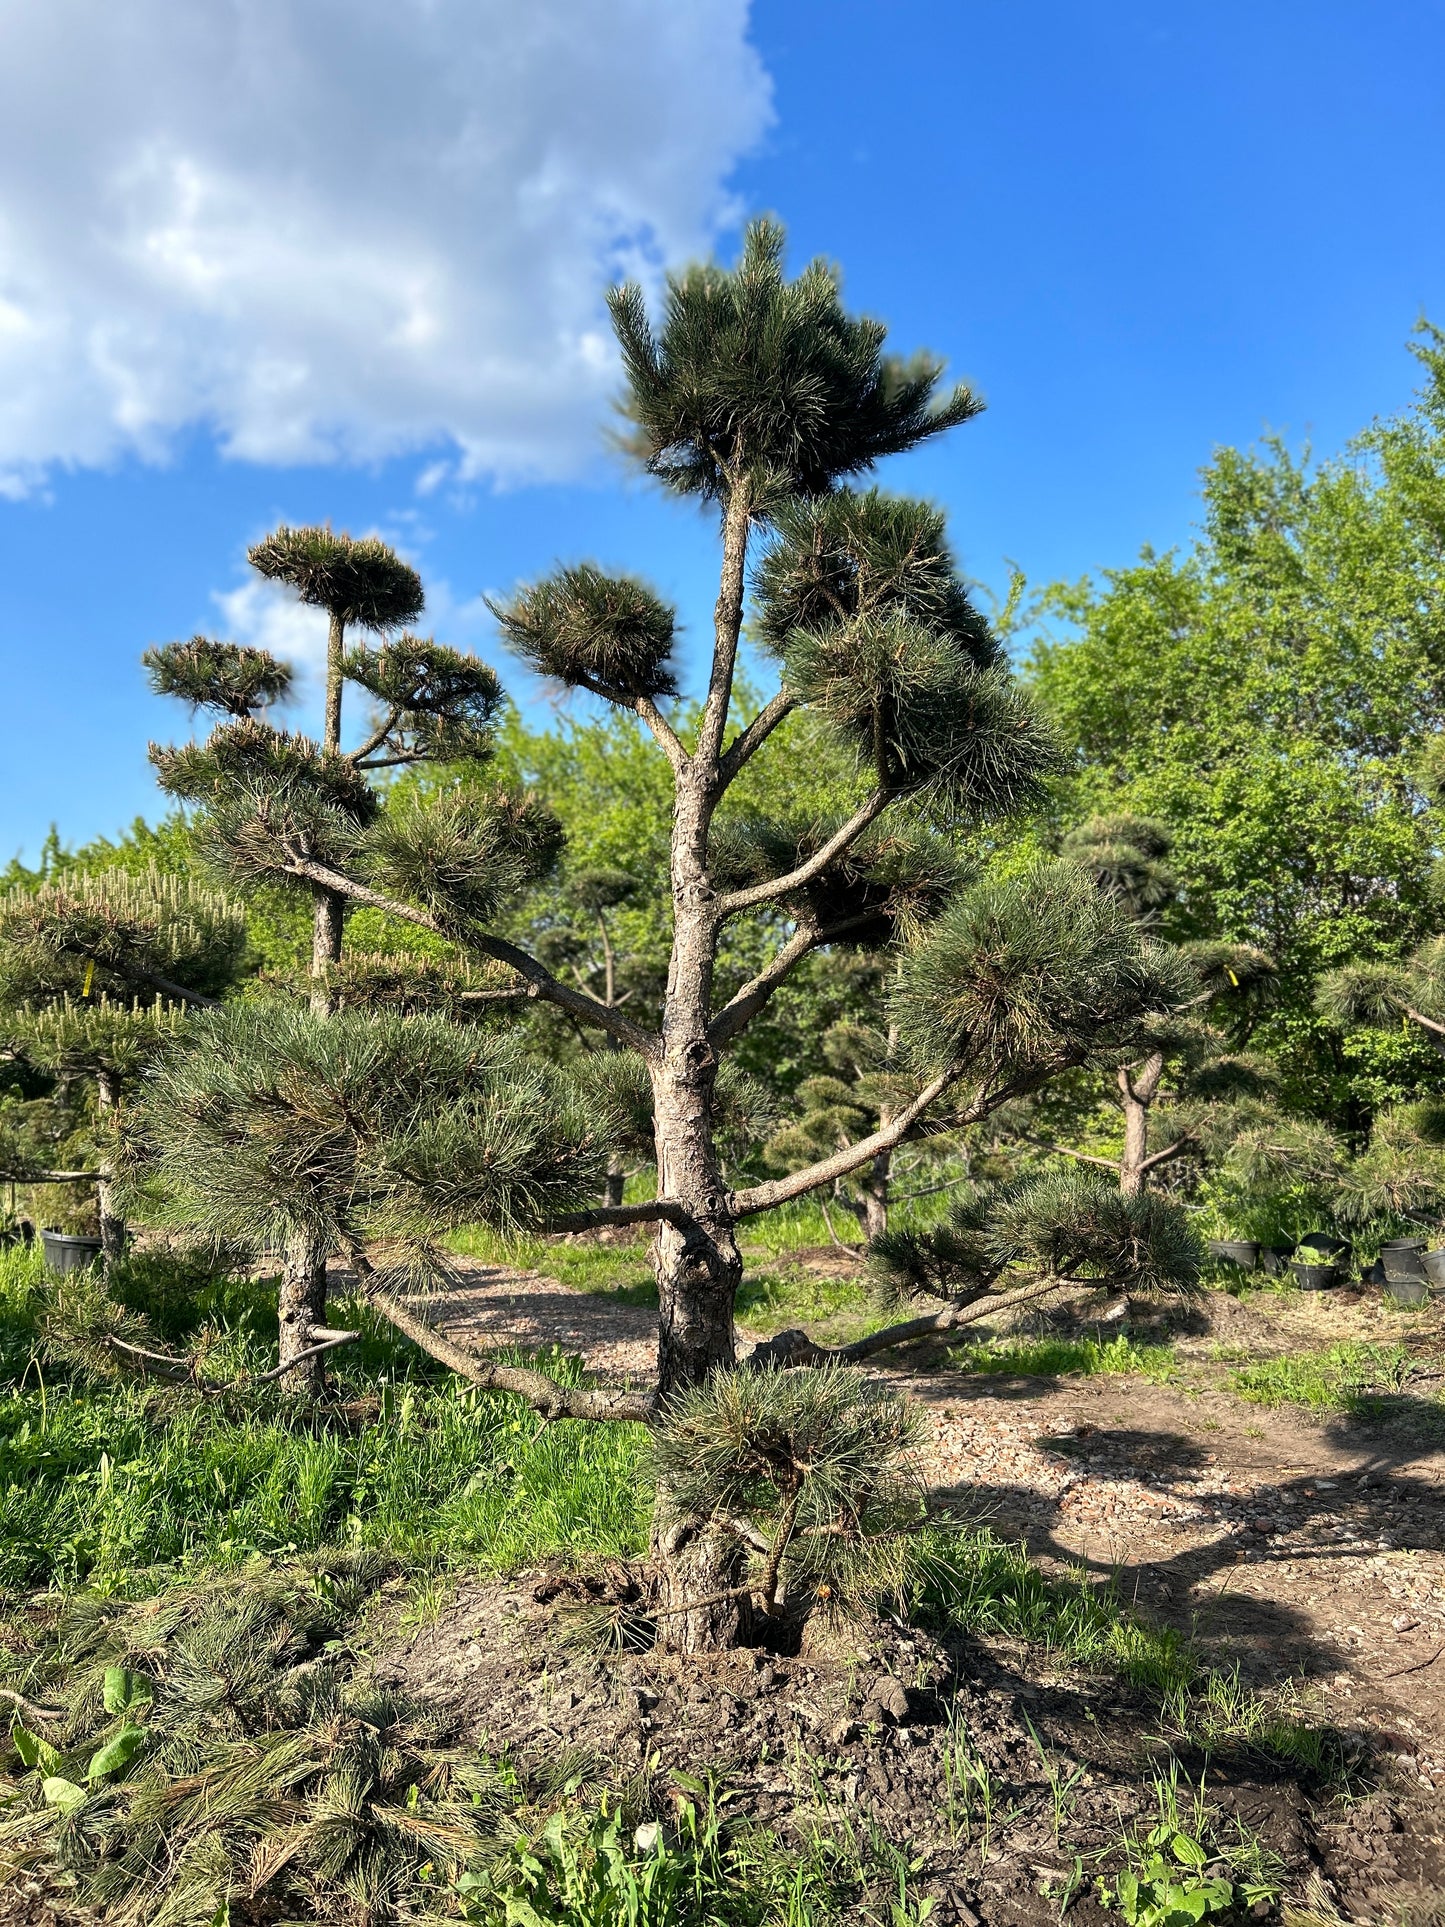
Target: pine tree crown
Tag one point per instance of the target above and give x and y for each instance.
(232, 677)
(1033, 971)
(590, 630)
(749, 375)
(359, 580)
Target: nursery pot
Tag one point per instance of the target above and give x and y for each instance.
(1243, 1252)
(1325, 1243)
(67, 1252)
(1406, 1291)
(1434, 1263)
(1313, 1277)
(1402, 1267)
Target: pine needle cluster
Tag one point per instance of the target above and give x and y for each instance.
(1076, 1229)
(234, 678)
(589, 630)
(357, 580)
(752, 374)
(1038, 970)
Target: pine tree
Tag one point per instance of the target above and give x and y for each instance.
(430, 702)
(762, 399)
(1186, 1077)
(96, 973)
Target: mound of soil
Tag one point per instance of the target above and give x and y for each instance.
(1008, 1787)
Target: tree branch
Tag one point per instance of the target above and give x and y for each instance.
(762, 1197)
(662, 730)
(540, 981)
(839, 841)
(1063, 1151)
(745, 745)
(745, 1004)
(149, 979)
(1425, 1023)
(1173, 1150)
(650, 1211)
(543, 1394)
(794, 1348)
(374, 741)
(48, 1177)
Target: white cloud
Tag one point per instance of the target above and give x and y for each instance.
(342, 229)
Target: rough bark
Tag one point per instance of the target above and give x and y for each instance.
(326, 926)
(702, 1606)
(300, 1307)
(1137, 1090)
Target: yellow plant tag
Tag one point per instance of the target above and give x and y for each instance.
(89, 977)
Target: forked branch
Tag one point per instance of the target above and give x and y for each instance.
(816, 864)
(540, 981)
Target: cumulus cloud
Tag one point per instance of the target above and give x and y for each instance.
(343, 229)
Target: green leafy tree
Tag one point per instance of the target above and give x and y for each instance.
(1262, 694)
(761, 397)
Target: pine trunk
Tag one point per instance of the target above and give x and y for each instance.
(300, 1305)
(697, 1261)
(615, 1183)
(697, 1574)
(871, 1205)
(1138, 1093)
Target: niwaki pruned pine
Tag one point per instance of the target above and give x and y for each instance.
(366, 1127)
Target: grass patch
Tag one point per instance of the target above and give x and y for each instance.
(1343, 1378)
(1066, 1357)
(101, 1484)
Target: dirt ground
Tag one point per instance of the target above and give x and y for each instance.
(1303, 1548)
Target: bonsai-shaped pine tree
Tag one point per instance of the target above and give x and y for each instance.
(1185, 1079)
(96, 972)
(761, 398)
(431, 703)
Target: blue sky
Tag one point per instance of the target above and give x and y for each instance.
(1141, 231)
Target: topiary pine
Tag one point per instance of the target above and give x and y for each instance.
(96, 973)
(757, 394)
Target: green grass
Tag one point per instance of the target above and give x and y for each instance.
(100, 1484)
(1066, 1357)
(773, 1292)
(1339, 1379)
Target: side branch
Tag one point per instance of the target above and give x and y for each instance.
(816, 864)
(540, 981)
(543, 1394)
(746, 744)
(49, 1177)
(651, 1211)
(745, 1004)
(796, 1348)
(762, 1197)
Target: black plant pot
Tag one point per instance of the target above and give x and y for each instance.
(1243, 1252)
(1403, 1244)
(1311, 1277)
(1373, 1274)
(1406, 1291)
(1403, 1267)
(1434, 1263)
(66, 1252)
(1325, 1243)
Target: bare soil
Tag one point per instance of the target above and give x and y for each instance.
(1305, 1549)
